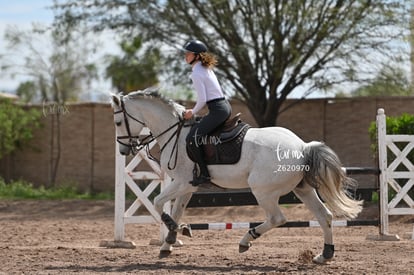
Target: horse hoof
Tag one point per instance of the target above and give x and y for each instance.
(320, 259)
(244, 248)
(187, 231)
(164, 253)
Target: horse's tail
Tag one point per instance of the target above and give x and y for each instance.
(326, 175)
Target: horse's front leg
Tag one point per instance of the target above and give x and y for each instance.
(183, 196)
(171, 221)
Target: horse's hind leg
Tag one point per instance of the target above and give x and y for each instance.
(309, 197)
(274, 218)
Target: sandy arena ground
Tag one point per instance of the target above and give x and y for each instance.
(63, 237)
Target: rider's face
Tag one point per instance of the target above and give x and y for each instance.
(189, 56)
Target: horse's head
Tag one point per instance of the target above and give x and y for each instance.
(128, 125)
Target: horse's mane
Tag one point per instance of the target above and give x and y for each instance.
(148, 93)
(154, 93)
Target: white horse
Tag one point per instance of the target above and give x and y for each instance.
(274, 161)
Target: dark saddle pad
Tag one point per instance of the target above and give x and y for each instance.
(223, 146)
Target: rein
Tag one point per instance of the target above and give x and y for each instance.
(136, 147)
(175, 134)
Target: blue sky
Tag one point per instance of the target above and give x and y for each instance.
(23, 12)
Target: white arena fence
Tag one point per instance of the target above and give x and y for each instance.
(399, 181)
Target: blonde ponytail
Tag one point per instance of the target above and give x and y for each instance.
(208, 60)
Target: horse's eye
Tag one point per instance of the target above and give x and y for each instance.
(118, 123)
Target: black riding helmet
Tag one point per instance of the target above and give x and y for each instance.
(195, 46)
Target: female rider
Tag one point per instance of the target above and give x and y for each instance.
(209, 93)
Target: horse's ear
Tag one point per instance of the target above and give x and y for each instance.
(115, 100)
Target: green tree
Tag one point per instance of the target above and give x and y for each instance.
(266, 49)
(136, 69)
(389, 82)
(16, 126)
(26, 91)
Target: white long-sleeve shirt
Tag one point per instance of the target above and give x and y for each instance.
(206, 85)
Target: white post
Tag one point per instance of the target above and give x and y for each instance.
(382, 154)
(384, 178)
(119, 238)
(119, 195)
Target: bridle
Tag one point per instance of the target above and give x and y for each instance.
(135, 144)
(133, 141)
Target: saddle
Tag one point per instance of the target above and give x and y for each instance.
(223, 145)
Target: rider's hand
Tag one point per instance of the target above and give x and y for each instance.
(188, 114)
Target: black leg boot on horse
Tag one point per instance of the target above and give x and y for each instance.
(200, 175)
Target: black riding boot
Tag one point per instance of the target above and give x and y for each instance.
(204, 175)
